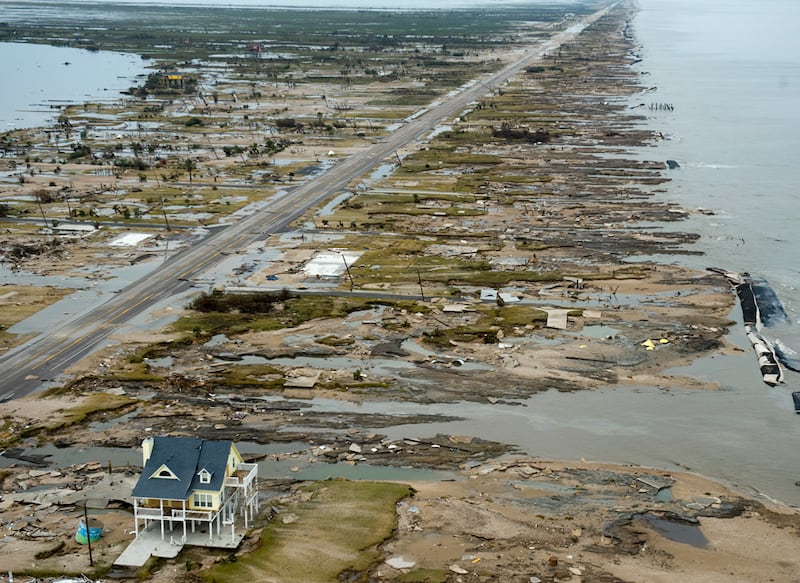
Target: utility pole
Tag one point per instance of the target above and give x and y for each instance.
(347, 269)
(69, 208)
(164, 212)
(88, 534)
(41, 210)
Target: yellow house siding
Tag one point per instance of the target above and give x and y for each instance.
(208, 494)
(234, 459)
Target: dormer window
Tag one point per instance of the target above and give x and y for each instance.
(165, 473)
(205, 477)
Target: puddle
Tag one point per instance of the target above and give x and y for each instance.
(21, 277)
(411, 345)
(328, 209)
(164, 362)
(439, 130)
(102, 425)
(689, 534)
(122, 456)
(598, 331)
(216, 340)
(382, 171)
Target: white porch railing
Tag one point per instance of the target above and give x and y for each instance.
(143, 512)
(174, 514)
(193, 515)
(241, 481)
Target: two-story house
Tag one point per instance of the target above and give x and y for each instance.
(193, 483)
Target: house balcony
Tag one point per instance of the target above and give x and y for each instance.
(202, 515)
(177, 514)
(243, 476)
(144, 512)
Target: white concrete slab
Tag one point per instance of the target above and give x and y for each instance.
(129, 240)
(330, 263)
(149, 542)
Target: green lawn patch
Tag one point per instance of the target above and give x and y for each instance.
(336, 531)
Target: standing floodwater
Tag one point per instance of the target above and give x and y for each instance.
(45, 79)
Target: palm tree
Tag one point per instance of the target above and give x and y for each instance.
(190, 167)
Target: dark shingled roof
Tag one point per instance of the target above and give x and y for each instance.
(185, 457)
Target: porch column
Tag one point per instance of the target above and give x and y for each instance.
(161, 510)
(184, 521)
(136, 517)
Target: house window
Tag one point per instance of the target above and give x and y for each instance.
(205, 477)
(203, 500)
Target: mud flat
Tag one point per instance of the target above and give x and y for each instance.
(503, 256)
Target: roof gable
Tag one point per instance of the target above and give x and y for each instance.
(164, 472)
(184, 458)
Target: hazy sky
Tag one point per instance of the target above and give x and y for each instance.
(395, 4)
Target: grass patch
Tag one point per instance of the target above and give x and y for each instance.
(335, 341)
(397, 265)
(493, 319)
(158, 350)
(251, 375)
(134, 376)
(275, 315)
(337, 530)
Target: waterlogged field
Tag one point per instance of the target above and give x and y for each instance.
(235, 97)
(178, 33)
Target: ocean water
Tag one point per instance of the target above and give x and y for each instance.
(731, 70)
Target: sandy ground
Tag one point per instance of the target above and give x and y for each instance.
(515, 520)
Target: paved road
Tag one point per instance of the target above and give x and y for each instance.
(48, 355)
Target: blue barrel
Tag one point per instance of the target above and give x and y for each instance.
(95, 531)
